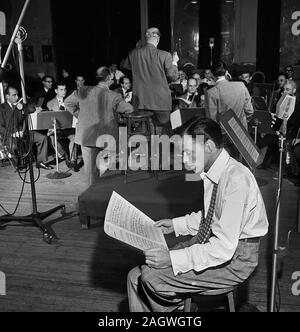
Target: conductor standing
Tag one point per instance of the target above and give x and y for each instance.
(152, 70)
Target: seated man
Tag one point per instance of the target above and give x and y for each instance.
(16, 127)
(191, 99)
(224, 249)
(125, 89)
(269, 143)
(57, 105)
(45, 94)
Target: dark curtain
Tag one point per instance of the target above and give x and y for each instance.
(268, 38)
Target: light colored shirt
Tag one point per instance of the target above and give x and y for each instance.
(60, 102)
(118, 74)
(239, 214)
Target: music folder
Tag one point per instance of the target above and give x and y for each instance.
(241, 138)
(264, 122)
(44, 120)
(183, 115)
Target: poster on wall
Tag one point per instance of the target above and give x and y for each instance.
(290, 35)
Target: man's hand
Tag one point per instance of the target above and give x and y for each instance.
(295, 141)
(158, 258)
(166, 225)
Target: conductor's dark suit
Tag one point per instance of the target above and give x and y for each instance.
(151, 70)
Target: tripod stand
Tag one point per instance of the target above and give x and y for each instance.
(36, 217)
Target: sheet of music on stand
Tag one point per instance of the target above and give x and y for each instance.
(35, 116)
(126, 223)
(241, 138)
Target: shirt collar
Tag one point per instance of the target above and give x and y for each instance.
(151, 45)
(216, 170)
(10, 105)
(221, 79)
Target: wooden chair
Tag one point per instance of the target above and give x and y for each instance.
(226, 295)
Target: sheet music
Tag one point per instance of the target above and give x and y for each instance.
(176, 120)
(285, 107)
(75, 122)
(126, 223)
(33, 121)
(244, 139)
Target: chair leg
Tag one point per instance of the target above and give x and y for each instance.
(187, 304)
(230, 299)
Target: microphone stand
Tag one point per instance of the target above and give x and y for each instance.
(36, 217)
(278, 251)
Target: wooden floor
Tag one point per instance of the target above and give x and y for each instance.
(86, 270)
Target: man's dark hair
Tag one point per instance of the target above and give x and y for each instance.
(46, 77)
(121, 81)
(59, 83)
(282, 74)
(102, 74)
(245, 71)
(199, 126)
(219, 69)
(291, 67)
(10, 87)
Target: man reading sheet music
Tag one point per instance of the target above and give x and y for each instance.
(223, 250)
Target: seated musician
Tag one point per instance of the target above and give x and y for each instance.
(224, 248)
(12, 123)
(57, 105)
(269, 143)
(191, 99)
(282, 79)
(45, 94)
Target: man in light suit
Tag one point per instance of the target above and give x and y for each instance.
(98, 107)
(227, 96)
(57, 105)
(151, 70)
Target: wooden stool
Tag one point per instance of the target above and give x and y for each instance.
(142, 118)
(227, 294)
(135, 120)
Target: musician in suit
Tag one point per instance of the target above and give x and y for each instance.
(57, 105)
(15, 125)
(228, 95)
(282, 79)
(98, 107)
(125, 89)
(152, 69)
(45, 94)
(191, 99)
(269, 143)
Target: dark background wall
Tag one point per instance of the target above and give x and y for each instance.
(268, 38)
(94, 33)
(159, 16)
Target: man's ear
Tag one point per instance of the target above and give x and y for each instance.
(210, 146)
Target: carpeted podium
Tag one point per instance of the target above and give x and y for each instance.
(158, 197)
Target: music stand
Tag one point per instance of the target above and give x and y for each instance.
(61, 120)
